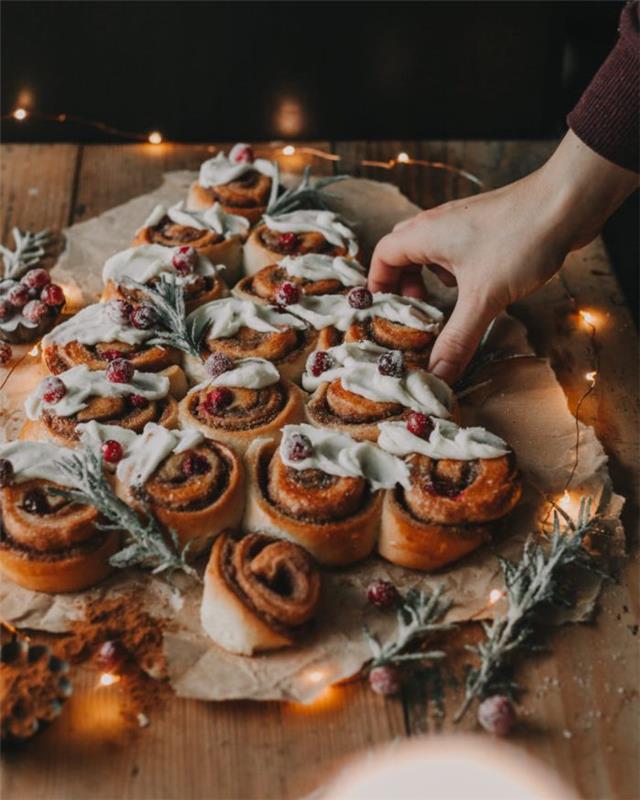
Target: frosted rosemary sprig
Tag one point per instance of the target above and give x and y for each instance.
(418, 615)
(304, 195)
(29, 249)
(530, 583)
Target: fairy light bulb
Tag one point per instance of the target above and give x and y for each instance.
(588, 317)
(591, 377)
(20, 114)
(107, 679)
(288, 150)
(494, 596)
(155, 137)
(403, 158)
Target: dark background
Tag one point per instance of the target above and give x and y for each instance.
(212, 71)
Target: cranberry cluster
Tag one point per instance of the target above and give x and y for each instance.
(34, 296)
(143, 316)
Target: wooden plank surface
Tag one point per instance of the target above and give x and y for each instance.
(580, 714)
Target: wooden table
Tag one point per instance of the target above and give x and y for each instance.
(580, 711)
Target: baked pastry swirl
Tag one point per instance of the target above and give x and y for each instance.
(321, 490)
(462, 481)
(47, 542)
(259, 593)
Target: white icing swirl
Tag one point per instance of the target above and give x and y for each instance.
(213, 219)
(149, 450)
(309, 221)
(92, 325)
(355, 365)
(227, 315)
(247, 373)
(447, 440)
(147, 262)
(223, 169)
(37, 460)
(325, 310)
(315, 267)
(82, 383)
(339, 454)
(94, 433)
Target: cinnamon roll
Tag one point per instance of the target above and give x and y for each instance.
(239, 182)
(99, 333)
(321, 490)
(242, 329)
(115, 396)
(259, 593)
(200, 280)
(301, 275)
(298, 233)
(47, 542)
(462, 481)
(29, 307)
(193, 486)
(213, 234)
(241, 401)
(355, 386)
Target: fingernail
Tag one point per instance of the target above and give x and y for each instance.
(445, 370)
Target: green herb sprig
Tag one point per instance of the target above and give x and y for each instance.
(29, 249)
(305, 195)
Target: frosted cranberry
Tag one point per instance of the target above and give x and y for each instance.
(144, 317)
(111, 355)
(36, 503)
(53, 390)
(385, 680)
(6, 309)
(391, 364)
(217, 363)
(119, 311)
(242, 154)
(111, 654)
(419, 424)
(19, 295)
(383, 594)
(112, 451)
(6, 353)
(6, 472)
(497, 715)
(185, 259)
(217, 399)
(36, 278)
(119, 371)
(138, 401)
(287, 241)
(195, 464)
(359, 297)
(52, 295)
(287, 294)
(298, 447)
(34, 311)
(320, 362)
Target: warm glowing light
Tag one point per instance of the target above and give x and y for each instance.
(107, 679)
(288, 150)
(34, 350)
(570, 504)
(155, 137)
(588, 317)
(403, 158)
(289, 117)
(20, 114)
(494, 596)
(591, 377)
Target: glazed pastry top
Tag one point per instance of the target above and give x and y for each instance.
(230, 314)
(247, 373)
(95, 324)
(316, 267)
(148, 261)
(37, 460)
(326, 223)
(446, 441)
(224, 168)
(212, 219)
(148, 450)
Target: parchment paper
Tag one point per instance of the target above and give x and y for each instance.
(522, 402)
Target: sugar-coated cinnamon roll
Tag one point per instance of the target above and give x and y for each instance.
(293, 277)
(29, 307)
(115, 396)
(241, 401)
(355, 386)
(321, 490)
(193, 486)
(47, 543)
(240, 183)
(298, 233)
(200, 280)
(259, 593)
(101, 332)
(462, 480)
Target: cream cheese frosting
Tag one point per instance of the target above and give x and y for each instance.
(148, 261)
(213, 219)
(247, 373)
(93, 324)
(37, 460)
(316, 267)
(223, 169)
(447, 440)
(309, 221)
(148, 450)
(227, 315)
(94, 433)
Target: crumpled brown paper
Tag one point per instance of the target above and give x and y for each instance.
(518, 399)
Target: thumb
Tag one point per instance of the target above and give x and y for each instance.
(460, 337)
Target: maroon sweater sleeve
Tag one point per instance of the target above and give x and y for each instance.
(608, 113)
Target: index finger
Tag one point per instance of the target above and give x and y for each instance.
(393, 254)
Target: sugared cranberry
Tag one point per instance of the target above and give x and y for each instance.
(242, 154)
(138, 401)
(112, 451)
(185, 260)
(217, 399)
(320, 362)
(195, 464)
(287, 294)
(111, 655)
(6, 472)
(298, 447)
(383, 594)
(119, 311)
(34, 311)
(52, 295)
(119, 371)
(53, 390)
(6, 309)
(497, 715)
(419, 424)
(35, 502)
(385, 680)
(391, 364)
(217, 363)
(6, 353)
(144, 317)
(287, 241)
(359, 297)
(111, 355)
(36, 278)
(19, 295)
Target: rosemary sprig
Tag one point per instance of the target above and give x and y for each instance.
(29, 249)
(417, 616)
(304, 195)
(530, 583)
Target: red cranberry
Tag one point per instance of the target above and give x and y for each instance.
(195, 464)
(320, 362)
(119, 371)
(385, 680)
(217, 363)
(36, 278)
(185, 260)
(6, 309)
(53, 390)
(119, 311)
(298, 447)
(287, 294)
(391, 364)
(138, 401)
(383, 594)
(19, 295)
(287, 241)
(111, 355)
(36, 502)
(217, 399)
(6, 473)
(34, 311)
(111, 655)
(242, 154)
(6, 353)
(419, 424)
(144, 317)
(359, 297)
(497, 715)
(112, 451)
(52, 295)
